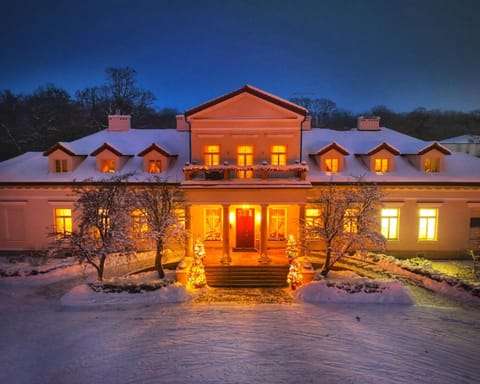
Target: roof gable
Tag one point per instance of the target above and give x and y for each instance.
(155, 147)
(332, 146)
(237, 104)
(435, 145)
(61, 147)
(383, 146)
(109, 147)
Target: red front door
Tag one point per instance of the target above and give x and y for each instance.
(245, 228)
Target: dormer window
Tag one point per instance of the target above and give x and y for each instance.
(109, 158)
(331, 158)
(432, 164)
(62, 158)
(430, 159)
(155, 159)
(381, 165)
(380, 159)
(107, 165)
(331, 165)
(279, 155)
(154, 166)
(61, 165)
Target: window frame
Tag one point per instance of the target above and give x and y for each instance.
(61, 165)
(107, 165)
(140, 226)
(331, 165)
(431, 164)
(63, 222)
(277, 218)
(211, 155)
(426, 222)
(381, 165)
(387, 221)
(245, 158)
(213, 225)
(350, 220)
(154, 166)
(278, 154)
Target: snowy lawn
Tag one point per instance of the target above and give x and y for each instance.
(75, 335)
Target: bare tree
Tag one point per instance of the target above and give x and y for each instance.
(159, 202)
(104, 223)
(348, 220)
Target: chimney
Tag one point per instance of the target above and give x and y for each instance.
(182, 124)
(118, 123)
(368, 123)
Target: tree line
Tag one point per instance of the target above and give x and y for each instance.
(425, 124)
(34, 122)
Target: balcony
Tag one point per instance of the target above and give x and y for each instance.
(257, 171)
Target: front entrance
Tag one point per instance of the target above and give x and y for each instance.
(245, 219)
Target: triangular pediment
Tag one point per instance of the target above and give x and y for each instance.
(247, 103)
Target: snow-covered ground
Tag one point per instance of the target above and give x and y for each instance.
(55, 330)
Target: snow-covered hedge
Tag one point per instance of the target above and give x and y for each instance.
(423, 269)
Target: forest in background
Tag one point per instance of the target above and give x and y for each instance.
(34, 122)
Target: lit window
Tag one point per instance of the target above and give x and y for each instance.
(279, 155)
(154, 166)
(277, 224)
(104, 219)
(139, 225)
(108, 165)
(61, 166)
(245, 159)
(213, 224)
(331, 165)
(212, 155)
(389, 223)
(427, 224)
(312, 222)
(63, 222)
(381, 165)
(180, 213)
(432, 164)
(350, 220)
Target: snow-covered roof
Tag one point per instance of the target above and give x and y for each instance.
(33, 167)
(459, 167)
(463, 139)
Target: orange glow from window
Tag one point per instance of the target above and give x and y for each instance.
(154, 166)
(432, 164)
(331, 165)
(108, 165)
(279, 155)
(63, 221)
(381, 165)
(211, 155)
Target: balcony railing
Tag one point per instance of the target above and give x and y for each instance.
(260, 171)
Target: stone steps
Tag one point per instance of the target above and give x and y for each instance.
(247, 276)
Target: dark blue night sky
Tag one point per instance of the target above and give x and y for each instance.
(359, 53)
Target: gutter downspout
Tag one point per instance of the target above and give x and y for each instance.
(301, 137)
(189, 140)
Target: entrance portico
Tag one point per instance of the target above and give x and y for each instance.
(243, 231)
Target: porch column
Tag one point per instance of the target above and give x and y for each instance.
(263, 230)
(188, 227)
(226, 230)
(301, 232)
